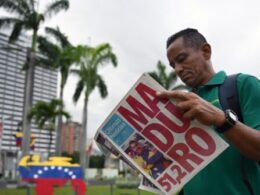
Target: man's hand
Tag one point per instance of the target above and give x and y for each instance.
(194, 107)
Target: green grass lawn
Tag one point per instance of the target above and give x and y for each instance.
(91, 190)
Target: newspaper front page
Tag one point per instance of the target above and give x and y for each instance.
(152, 136)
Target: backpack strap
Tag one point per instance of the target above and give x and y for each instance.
(228, 95)
(229, 99)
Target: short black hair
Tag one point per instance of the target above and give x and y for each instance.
(192, 37)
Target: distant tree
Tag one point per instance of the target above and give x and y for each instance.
(74, 156)
(92, 58)
(45, 114)
(167, 80)
(26, 17)
(97, 161)
(58, 54)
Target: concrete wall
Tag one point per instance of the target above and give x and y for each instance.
(101, 173)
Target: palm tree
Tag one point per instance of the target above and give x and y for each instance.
(91, 59)
(60, 55)
(45, 114)
(167, 80)
(27, 18)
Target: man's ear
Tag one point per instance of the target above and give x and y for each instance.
(206, 49)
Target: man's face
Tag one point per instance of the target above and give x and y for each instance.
(133, 144)
(139, 149)
(189, 63)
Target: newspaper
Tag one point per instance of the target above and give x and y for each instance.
(152, 136)
(146, 185)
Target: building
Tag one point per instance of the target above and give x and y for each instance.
(71, 137)
(12, 84)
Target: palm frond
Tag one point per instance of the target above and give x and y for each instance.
(58, 35)
(78, 91)
(61, 53)
(68, 55)
(90, 59)
(48, 48)
(18, 26)
(102, 86)
(8, 4)
(41, 121)
(46, 113)
(113, 59)
(55, 103)
(6, 22)
(155, 77)
(172, 79)
(65, 70)
(105, 59)
(35, 109)
(32, 5)
(80, 52)
(28, 7)
(19, 7)
(33, 20)
(103, 54)
(75, 71)
(65, 114)
(167, 80)
(56, 7)
(100, 48)
(40, 61)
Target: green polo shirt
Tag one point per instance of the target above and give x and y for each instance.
(223, 175)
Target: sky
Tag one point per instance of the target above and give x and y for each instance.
(137, 30)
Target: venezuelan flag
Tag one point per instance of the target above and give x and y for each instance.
(18, 138)
(55, 171)
(30, 167)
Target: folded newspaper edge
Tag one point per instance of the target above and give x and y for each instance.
(152, 136)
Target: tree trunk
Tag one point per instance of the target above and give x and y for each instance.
(50, 143)
(28, 98)
(58, 131)
(83, 142)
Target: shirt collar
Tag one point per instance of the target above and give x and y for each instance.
(217, 79)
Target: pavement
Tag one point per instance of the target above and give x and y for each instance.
(14, 184)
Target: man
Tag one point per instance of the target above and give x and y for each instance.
(190, 55)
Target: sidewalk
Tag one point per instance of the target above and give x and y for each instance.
(8, 184)
(14, 184)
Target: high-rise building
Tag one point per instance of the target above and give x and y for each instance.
(71, 137)
(12, 84)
